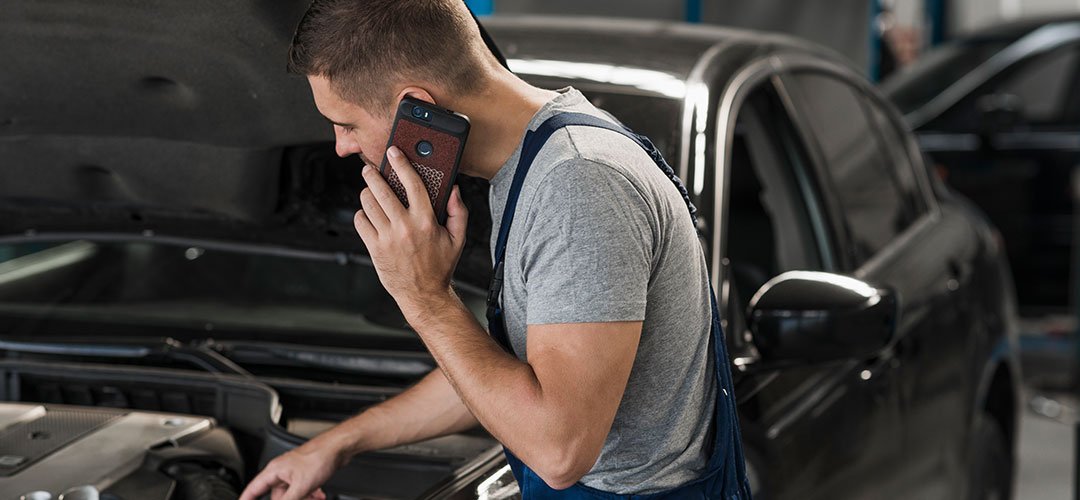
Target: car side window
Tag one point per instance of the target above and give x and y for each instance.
(774, 224)
(1037, 91)
(864, 179)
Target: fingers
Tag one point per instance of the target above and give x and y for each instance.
(296, 492)
(415, 188)
(387, 200)
(374, 210)
(261, 485)
(457, 218)
(364, 228)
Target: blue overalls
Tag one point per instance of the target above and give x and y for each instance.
(725, 477)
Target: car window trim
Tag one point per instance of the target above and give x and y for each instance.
(732, 98)
(809, 185)
(769, 145)
(837, 229)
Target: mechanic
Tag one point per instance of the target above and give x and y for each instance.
(619, 381)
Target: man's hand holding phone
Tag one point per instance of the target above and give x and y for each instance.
(414, 255)
(433, 140)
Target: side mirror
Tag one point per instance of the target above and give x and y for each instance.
(813, 316)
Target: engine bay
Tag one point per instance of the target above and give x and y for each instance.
(49, 451)
(133, 432)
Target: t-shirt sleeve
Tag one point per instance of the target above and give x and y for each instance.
(587, 254)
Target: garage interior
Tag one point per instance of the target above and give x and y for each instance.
(987, 90)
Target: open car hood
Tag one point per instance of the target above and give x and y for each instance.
(168, 119)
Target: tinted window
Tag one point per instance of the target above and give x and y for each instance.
(1039, 89)
(938, 70)
(896, 139)
(1043, 85)
(857, 164)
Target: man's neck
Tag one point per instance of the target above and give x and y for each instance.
(499, 117)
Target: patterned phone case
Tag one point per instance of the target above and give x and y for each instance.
(445, 132)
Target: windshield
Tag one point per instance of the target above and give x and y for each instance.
(151, 287)
(913, 88)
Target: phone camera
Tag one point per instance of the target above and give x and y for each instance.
(421, 113)
(424, 148)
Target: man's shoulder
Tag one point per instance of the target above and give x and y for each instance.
(578, 178)
(582, 152)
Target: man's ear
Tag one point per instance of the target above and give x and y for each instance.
(416, 93)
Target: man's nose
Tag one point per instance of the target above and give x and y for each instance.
(345, 145)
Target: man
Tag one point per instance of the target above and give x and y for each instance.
(613, 382)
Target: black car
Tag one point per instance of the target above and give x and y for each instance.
(188, 297)
(998, 111)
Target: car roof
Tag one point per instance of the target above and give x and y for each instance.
(672, 48)
(1013, 30)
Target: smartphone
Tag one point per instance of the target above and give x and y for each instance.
(433, 139)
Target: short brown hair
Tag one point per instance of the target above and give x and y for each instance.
(365, 46)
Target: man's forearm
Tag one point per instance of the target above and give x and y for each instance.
(501, 391)
(429, 409)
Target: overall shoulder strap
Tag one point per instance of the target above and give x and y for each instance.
(534, 142)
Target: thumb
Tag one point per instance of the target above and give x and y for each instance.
(457, 217)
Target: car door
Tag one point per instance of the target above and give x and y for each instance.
(893, 233)
(1012, 146)
(823, 429)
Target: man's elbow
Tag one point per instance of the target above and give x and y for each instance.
(563, 467)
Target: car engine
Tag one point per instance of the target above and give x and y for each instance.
(81, 453)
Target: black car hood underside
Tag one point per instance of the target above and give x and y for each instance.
(171, 119)
(197, 71)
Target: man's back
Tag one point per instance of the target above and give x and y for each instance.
(602, 235)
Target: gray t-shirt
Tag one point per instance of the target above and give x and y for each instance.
(602, 235)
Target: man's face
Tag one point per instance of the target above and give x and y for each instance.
(356, 130)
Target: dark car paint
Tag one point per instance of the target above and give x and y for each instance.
(812, 430)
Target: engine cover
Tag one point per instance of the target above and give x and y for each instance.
(51, 449)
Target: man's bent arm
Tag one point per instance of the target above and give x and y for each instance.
(427, 410)
(555, 411)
